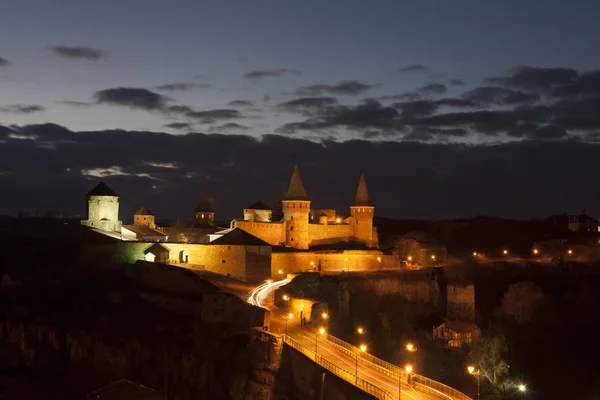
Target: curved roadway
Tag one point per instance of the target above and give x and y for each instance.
(261, 296)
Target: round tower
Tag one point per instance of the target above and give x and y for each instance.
(362, 211)
(296, 209)
(103, 209)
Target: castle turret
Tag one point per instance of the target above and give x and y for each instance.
(205, 215)
(144, 217)
(103, 209)
(296, 208)
(362, 211)
(259, 212)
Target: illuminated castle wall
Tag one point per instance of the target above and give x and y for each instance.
(103, 209)
(298, 230)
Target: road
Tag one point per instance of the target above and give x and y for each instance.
(262, 296)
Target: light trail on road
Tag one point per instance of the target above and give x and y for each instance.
(260, 292)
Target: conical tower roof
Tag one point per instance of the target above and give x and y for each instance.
(102, 189)
(143, 211)
(296, 189)
(362, 193)
(204, 204)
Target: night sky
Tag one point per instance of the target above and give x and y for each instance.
(451, 108)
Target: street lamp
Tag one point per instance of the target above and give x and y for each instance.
(569, 252)
(408, 368)
(324, 315)
(286, 298)
(536, 252)
(410, 347)
(379, 259)
(322, 332)
(280, 272)
(362, 348)
(475, 372)
(409, 258)
(360, 331)
(289, 317)
(433, 257)
(505, 252)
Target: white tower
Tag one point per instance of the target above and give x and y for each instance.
(103, 209)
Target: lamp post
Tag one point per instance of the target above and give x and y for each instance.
(289, 317)
(475, 372)
(408, 368)
(322, 332)
(286, 298)
(362, 348)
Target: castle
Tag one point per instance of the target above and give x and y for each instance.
(252, 248)
(300, 228)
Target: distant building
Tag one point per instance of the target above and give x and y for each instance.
(456, 333)
(581, 223)
(420, 248)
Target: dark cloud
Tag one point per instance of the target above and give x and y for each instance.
(433, 89)
(365, 117)
(4, 62)
(414, 68)
(241, 103)
(270, 73)
(415, 109)
(75, 103)
(21, 108)
(457, 82)
(306, 105)
(182, 86)
(179, 126)
(78, 53)
(211, 116)
(132, 97)
(230, 126)
(493, 95)
(341, 88)
(536, 79)
(166, 173)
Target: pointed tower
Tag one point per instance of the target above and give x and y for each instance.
(205, 215)
(362, 211)
(296, 208)
(103, 209)
(143, 216)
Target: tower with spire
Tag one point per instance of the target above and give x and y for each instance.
(102, 209)
(362, 212)
(296, 209)
(205, 215)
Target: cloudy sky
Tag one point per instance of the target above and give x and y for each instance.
(451, 108)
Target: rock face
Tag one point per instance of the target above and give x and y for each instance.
(243, 366)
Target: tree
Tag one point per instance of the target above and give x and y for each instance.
(520, 301)
(487, 355)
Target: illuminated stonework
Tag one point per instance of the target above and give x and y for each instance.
(103, 209)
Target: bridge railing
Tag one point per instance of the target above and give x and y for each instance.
(420, 382)
(342, 373)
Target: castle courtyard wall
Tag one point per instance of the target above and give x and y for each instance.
(329, 234)
(363, 260)
(271, 232)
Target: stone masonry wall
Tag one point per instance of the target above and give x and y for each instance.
(290, 262)
(461, 303)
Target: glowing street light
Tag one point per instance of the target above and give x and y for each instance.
(379, 259)
(322, 332)
(338, 220)
(280, 272)
(408, 368)
(522, 388)
(475, 372)
(286, 298)
(569, 252)
(474, 254)
(505, 252)
(360, 330)
(362, 348)
(324, 315)
(289, 318)
(433, 257)
(410, 347)
(536, 251)
(409, 258)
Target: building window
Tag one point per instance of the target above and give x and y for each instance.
(222, 261)
(228, 247)
(202, 216)
(291, 239)
(291, 228)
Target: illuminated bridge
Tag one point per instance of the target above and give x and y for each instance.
(371, 374)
